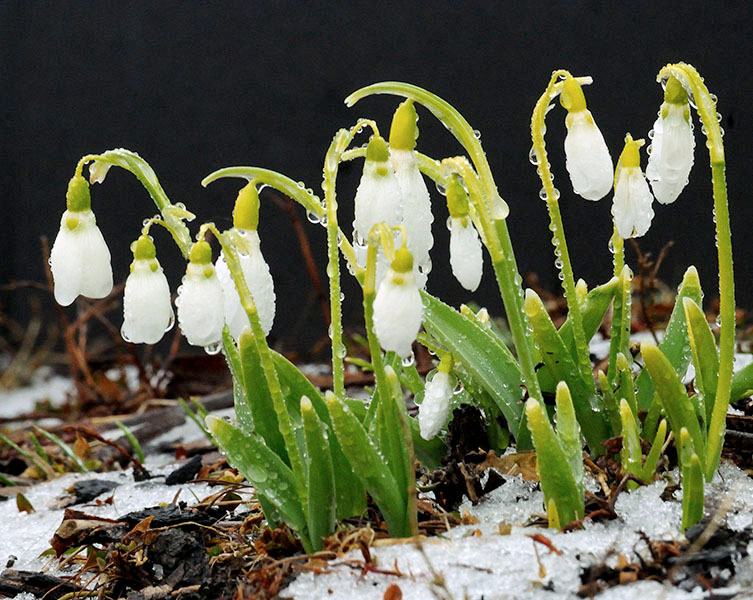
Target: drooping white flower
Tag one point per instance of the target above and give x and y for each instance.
(632, 198)
(416, 207)
(587, 157)
(435, 408)
(80, 259)
(259, 282)
(673, 145)
(398, 310)
(147, 310)
(378, 197)
(466, 258)
(200, 300)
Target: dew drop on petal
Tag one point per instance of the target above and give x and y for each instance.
(409, 360)
(213, 348)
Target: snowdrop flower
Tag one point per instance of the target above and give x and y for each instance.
(255, 269)
(80, 260)
(466, 259)
(632, 199)
(378, 197)
(588, 161)
(200, 299)
(397, 307)
(673, 144)
(417, 216)
(433, 412)
(147, 311)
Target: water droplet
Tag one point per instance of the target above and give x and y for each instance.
(542, 194)
(312, 217)
(171, 322)
(703, 129)
(342, 296)
(301, 185)
(714, 99)
(449, 223)
(440, 188)
(719, 117)
(145, 222)
(610, 245)
(532, 156)
(123, 334)
(555, 192)
(330, 331)
(558, 263)
(341, 351)
(409, 360)
(459, 388)
(477, 134)
(213, 348)
(651, 134)
(721, 131)
(561, 276)
(330, 270)
(649, 149)
(718, 320)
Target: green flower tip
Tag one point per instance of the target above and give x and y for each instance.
(572, 98)
(532, 303)
(457, 198)
(533, 410)
(211, 422)
(691, 278)
(201, 253)
(377, 150)
(630, 157)
(622, 363)
(246, 211)
(306, 405)
(143, 248)
(675, 93)
(78, 198)
(403, 262)
(625, 411)
(404, 129)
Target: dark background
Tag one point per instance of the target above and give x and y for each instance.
(196, 86)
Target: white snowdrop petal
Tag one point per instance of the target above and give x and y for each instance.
(417, 216)
(260, 284)
(147, 311)
(466, 258)
(397, 313)
(588, 161)
(378, 198)
(671, 155)
(632, 204)
(200, 306)
(80, 259)
(435, 408)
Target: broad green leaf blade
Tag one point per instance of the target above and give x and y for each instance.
(556, 356)
(705, 354)
(557, 480)
(568, 432)
(263, 468)
(258, 397)
(742, 383)
(692, 483)
(320, 477)
(593, 311)
(369, 466)
(676, 344)
(233, 359)
(671, 391)
(481, 353)
(351, 495)
(390, 433)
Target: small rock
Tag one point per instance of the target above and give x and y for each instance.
(186, 472)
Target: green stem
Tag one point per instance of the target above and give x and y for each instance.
(551, 195)
(706, 108)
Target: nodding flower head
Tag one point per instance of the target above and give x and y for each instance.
(435, 408)
(200, 300)
(398, 310)
(80, 259)
(466, 258)
(672, 147)
(587, 157)
(147, 310)
(255, 269)
(378, 197)
(632, 199)
(416, 203)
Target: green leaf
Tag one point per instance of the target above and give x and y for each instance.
(320, 477)
(557, 481)
(692, 482)
(676, 344)
(649, 467)
(556, 356)
(627, 385)
(390, 433)
(233, 359)
(677, 406)
(481, 353)
(593, 311)
(610, 403)
(621, 320)
(369, 466)
(631, 455)
(705, 355)
(742, 383)
(132, 440)
(258, 397)
(568, 432)
(67, 450)
(263, 468)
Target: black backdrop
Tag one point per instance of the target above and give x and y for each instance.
(195, 86)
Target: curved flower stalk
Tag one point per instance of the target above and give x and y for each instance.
(466, 259)
(147, 310)
(200, 300)
(434, 410)
(397, 307)
(255, 268)
(492, 212)
(587, 157)
(80, 259)
(706, 108)
(673, 144)
(632, 199)
(416, 203)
